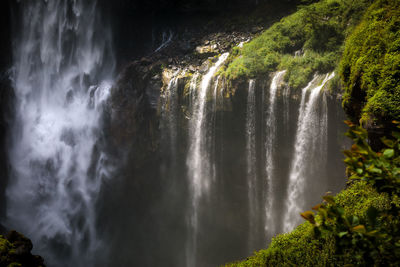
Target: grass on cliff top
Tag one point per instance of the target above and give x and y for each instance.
(301, 248)
(316, 32)
(370, 67)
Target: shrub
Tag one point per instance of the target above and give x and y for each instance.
(370, 67)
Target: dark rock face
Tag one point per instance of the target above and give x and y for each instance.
(6, 100)
(131, 133)
(16, 249)
(5, 32)
(139, 27)
(6, 97)
(132, 103)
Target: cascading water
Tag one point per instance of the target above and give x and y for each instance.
(230, 152)
(166, 40)
(310, 148)
(251, 156)
(198, 162)
(211, 138)
(270, 143)
(169, 102)
(63, 71)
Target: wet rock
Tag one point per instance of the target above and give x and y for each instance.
(205, 66)
(145, 61)
(133, 104)
(207, 49)
(192, 68)
(15, 250)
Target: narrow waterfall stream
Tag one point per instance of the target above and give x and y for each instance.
(310, 147)
(63, 71)
(169, 106)
(199, 171)
(254, 205)
(270, 143)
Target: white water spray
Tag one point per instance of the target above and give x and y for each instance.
(63, 73)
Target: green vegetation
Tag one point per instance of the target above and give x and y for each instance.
(370, 68)
(302, 248)
(316, 32)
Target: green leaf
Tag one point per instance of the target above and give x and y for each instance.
(359, 170)
(388, 142)
(341, 234)
(376, 170)
(388, 153)
(354, 220)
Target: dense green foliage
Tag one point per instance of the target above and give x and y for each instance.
(370, 67)
(302, 248)
(316, 32)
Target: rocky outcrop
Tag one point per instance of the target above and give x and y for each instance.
(141, 27)
(133, 104)
(6, 100)
(15, 250)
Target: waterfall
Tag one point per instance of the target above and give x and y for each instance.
(251, 163)
(310, 149)
(166, 40)
(198, 162)
(211, 137)
(169, 106)
(63, 71)
(270, 143)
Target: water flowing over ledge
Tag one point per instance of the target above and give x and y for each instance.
(198, 161)
(205, 172)
(310, 147)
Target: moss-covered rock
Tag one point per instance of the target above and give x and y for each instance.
(15, 250)
(370, 67)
